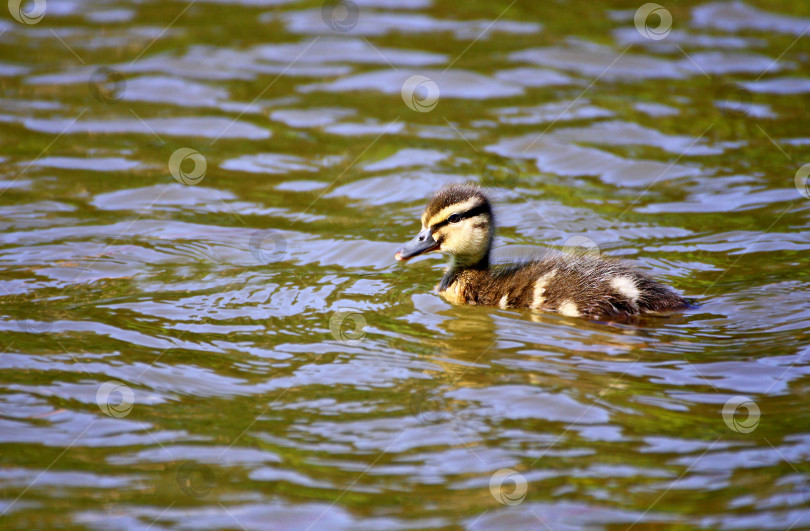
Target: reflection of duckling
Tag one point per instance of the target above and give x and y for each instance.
(458, 220)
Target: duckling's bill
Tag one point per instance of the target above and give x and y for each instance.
(421, 244)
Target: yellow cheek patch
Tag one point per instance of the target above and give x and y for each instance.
(441, 234)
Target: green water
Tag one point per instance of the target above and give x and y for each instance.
(203, 325)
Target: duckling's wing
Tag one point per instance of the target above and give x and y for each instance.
(579, 284)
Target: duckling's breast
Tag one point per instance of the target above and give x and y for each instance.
(455, 292)
(483, 288)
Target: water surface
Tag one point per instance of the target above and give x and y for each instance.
(203, 325)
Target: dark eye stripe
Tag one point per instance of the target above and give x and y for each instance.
(480, 209)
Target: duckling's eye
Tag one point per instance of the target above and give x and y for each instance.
(454, 218)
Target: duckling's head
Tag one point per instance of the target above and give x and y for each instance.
(457, 220)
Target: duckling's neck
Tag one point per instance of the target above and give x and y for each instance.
(458, 266)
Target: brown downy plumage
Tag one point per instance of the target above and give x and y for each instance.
(458, 220)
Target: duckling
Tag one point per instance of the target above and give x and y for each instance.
(458, 220)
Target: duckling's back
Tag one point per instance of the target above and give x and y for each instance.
(574, 285)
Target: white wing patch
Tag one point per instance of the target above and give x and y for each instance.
(625, 286)
(568, 308)
(540, 289)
